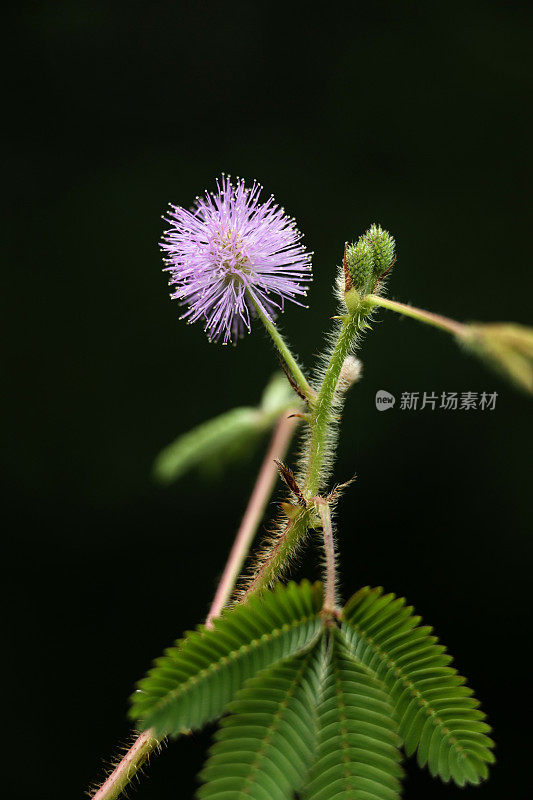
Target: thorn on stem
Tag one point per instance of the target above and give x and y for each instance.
(289, 479)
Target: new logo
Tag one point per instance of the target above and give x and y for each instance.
(384, 400)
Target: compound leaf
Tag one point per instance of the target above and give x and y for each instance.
(264, 748)
(438, 717)
(194, 680)
(357, 753)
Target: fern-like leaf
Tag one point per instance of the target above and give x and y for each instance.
(357, 750)
(263, 750)
(438, 717)
(191, 684)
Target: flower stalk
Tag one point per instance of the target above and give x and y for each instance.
(284, 351)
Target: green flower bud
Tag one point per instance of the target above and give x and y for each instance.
(382, 245)
(368, 260)
(358, 263)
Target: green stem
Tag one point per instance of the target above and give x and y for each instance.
(276, 560)
(437, 320)
(284, 351)
(321, 411)
(319, 418)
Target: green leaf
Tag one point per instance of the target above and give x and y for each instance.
(191, 684)
(213, 444)
(357, 751)
(226, 438)
(263, 750)
(506, 347)
(278, 395)
(438, 717)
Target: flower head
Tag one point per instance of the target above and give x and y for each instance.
(231, 255)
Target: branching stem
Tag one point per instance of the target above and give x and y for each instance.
(319, 419)
(437, 320)
(146, 743)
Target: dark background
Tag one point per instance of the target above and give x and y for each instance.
(412, 114)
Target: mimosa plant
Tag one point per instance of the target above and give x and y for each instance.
(316, 698)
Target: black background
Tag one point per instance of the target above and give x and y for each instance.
(413, 114)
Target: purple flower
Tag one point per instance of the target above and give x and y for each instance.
(231, 254)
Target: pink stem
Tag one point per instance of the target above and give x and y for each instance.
(329, 548)
(253, 514)
(147, 742)
(128, 767)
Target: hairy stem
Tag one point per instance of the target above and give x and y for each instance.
(319, 419)
(285, 352)
(253, 514)
(146, 743)
(329, 549)
(437, 320)
(124, 772)
(287, 544)
(321, 412)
